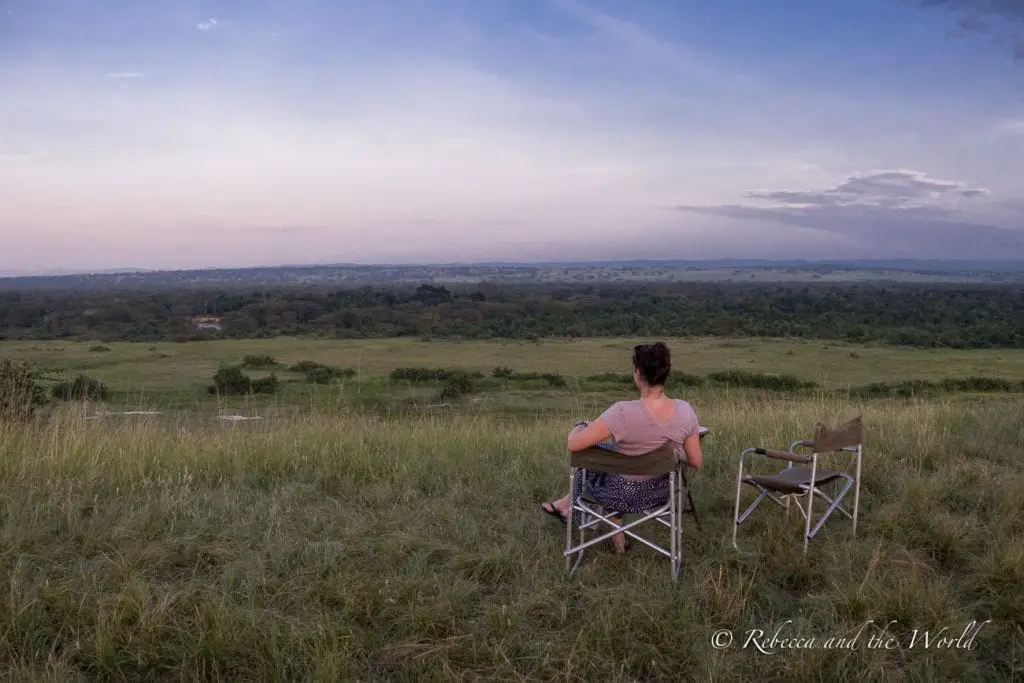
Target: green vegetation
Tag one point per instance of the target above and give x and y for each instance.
(231, 381)
(934, 315)
(258, 362)
(81, 388)
(383, 524)
(343, 546)
(20, 391)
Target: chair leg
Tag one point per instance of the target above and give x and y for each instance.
(834, 504)
(678, 531)
(674, 517)
(570, 567)
(736, 507)
(685, 484)
(807, 520)
(856, 493)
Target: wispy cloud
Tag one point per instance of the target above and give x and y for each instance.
(125, 75)
(208, 24)
(639, 41)
(900, 189)
(1011, 128)
(900, 212)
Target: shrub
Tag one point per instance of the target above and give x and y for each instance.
(81, 388)
(977, 384)
(232, 381)
(258, 362)
(905, 389)
(457, 386)
(99, 348)
(265, 385)
(20, 391)
(422, 375)
(683, 379)
(923, 387)
(758, 380)
(503, 373)
(318, 373)
(554, 379)
(326, 375)
(611, 377)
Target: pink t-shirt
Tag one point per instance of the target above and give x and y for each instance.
(637, 431)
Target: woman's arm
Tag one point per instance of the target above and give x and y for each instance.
(694, 453)
(591, 435)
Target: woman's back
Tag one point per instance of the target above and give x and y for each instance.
(638, 429)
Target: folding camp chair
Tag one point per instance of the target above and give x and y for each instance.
(592, 513)
(793, 482)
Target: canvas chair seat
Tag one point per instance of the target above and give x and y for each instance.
(592, 512)
(803, 477)
(793, 479)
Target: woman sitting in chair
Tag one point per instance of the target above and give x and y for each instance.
(634, 428)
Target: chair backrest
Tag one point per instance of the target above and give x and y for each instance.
(657, 462)
(847, 435)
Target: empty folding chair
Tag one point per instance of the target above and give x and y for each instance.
(591, 513)
(791, 483)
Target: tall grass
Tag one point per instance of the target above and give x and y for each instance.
(326, 546)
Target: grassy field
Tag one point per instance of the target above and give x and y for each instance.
(329, 543)
(143, 367)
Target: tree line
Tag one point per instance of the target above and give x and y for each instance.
(951, 316)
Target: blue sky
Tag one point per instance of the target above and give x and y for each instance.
(231, 133)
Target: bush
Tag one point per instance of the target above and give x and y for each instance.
(923, 387)
(555, 379)
(611, 377)
(326, 375)
(318, 373)
(20, 391)
(758, 380)
(503, 373)
(977, 384)
(258, 362)
(684, 379)
(99, 348)
(231, 381)
(457, 386)
(81, 388)
(423, 375)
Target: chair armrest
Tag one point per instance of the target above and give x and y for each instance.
(783, 455)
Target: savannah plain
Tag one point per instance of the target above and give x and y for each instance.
(372, 527)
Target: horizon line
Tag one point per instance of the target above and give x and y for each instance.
(750, 262)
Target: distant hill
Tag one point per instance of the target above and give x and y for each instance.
(668, 270)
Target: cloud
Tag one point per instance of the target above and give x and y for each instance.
(1010, 128)
(891, 189)
(125, 75)
(638, 41)
(207, 25)
(898, 212)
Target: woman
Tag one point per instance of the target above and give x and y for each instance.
(634, 428)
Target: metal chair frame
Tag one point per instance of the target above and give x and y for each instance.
(592, 512)
(849, 440)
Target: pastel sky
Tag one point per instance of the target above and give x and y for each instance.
(198, 133)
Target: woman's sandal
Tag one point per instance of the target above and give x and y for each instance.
(554, 512)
